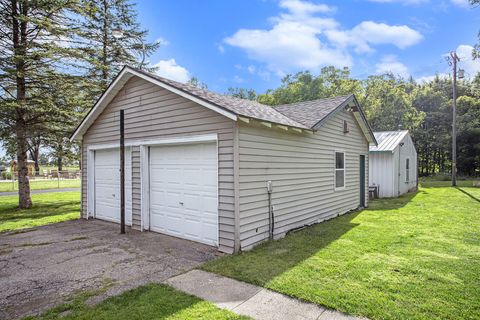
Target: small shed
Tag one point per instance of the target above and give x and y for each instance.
(393, 163)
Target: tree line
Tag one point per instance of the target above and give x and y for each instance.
(393, 103)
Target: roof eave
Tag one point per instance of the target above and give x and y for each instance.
(127, 71)
(369, 134)
(246, 119)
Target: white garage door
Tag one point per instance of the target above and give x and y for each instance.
(107, 185)
(183, 191)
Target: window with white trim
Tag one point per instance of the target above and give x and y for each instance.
(407, 170)
(339, 169)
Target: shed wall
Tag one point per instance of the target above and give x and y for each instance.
(388, 169)
(407, 151)
(382, 173)
(154, 113)
(301, 167)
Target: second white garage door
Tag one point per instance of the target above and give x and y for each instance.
(183, 191)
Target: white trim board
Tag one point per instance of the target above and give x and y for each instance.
(120, 81)
(152, 142)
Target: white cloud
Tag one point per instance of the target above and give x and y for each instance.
(221, 48)
(251, 69)
(305, 37)
(298, 8)
(238, 79)
(163, 42)
(430, 78)
(461, 3)
(390, 64)
(404, 2)
(472, 67)
(171, 70)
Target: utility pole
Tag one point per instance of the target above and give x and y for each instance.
(452, 61)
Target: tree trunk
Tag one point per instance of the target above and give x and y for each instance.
(60, 163)
(35, 154)
(105, 46)
(427, 162)
(19, 42)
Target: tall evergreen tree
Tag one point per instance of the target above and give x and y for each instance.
(33, 53)
(114, 38)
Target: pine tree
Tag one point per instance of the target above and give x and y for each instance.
(35, 48)
(114, 39)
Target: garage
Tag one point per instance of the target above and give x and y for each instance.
(107, 185)
(183, 191)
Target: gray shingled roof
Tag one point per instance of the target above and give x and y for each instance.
(309, 113)
(241, 107)
(388, 140)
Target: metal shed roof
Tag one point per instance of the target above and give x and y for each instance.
(388, 140)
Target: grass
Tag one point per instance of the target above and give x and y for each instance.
(41, 184)
(47, 208)
(414, 257)
(153, 301)
(50, 168)
(429, 183)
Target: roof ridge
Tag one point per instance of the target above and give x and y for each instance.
(190, 89)
(315, 100)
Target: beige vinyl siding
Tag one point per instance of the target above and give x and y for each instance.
(136, 189)
(301, 168)
(83, 182)
(152, 113)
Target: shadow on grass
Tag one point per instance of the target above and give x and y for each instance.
(393, 203)
(152, 301)
(444, 184)
(37, 212)
(271, 259)
(468, 194)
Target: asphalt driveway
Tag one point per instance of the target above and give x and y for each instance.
(43, 267)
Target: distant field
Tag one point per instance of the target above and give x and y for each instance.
(41, 184)
(49, 168)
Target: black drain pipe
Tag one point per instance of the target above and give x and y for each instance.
(122, 172)
(271, 218)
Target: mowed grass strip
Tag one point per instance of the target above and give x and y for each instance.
(415, 257)
(47, 208)
(9, 186)
(153, 301)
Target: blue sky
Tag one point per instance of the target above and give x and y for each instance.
(253, 43)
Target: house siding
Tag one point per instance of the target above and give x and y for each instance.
(154, 113)
(301, 168)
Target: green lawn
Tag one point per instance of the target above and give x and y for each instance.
(47, 208)
(41, 184)
(415, 257)
(427, 183)
(153, 301)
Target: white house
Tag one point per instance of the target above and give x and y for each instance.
(393, 163)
